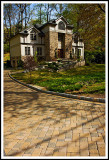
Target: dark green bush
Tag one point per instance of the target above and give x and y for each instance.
(53, 66)
(94, 57)
(54, 63)
(20, 63)
(7, 64)
(6, 48)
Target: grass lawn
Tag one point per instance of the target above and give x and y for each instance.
(81, 80)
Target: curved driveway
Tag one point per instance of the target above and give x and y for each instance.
(39, 124)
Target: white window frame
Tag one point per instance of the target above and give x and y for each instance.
(33, 36)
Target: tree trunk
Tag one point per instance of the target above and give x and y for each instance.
(40, 14)
(22, 19)
(48, 12)
(10, 20)
(25, 15)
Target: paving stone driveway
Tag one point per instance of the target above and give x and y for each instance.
(39, 124)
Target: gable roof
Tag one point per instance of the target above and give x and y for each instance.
(39, 27)
(25, 30)
(53, 22)
(62, 19)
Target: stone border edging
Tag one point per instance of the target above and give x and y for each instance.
(101, 100)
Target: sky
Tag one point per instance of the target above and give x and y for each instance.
(33, 17)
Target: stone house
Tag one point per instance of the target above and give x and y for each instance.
(50, 40)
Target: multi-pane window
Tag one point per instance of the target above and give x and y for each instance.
(61, 25)
(27, 50)
(39, 51)
(33, 35)
(79, 53)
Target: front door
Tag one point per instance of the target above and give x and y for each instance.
(60, 53)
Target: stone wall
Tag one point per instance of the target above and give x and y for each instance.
(68, 45)
(53, 36)
(47, 52)
(14, 61)
(81, 63)
(15, 50)
(51, 43)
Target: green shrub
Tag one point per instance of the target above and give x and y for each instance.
(94, 57)
(6, 48)
(53, 66)
(54, 63)
(7, 64)
(20, 63)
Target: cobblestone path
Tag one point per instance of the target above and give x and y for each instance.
(39, 124)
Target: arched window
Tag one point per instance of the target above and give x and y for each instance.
(61, 25)
(33, 35)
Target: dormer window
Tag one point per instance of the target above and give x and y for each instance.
(61, 25)
(33, 35)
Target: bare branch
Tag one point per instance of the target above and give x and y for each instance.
(101, 8)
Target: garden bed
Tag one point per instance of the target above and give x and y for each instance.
(85, 80)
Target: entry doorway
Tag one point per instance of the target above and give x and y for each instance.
(60, 53)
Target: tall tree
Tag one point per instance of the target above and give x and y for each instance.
(89, 21)
(92, 25)
(8, 13)
(49, 8)
(40, 12)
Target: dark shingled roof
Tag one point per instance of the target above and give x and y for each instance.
(40, 26)
(37, 26)
(70, 26)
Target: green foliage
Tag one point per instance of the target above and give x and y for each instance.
(98, 87)
(90, 78)
(6, 47)
(7, 64)
(20, 63)
(53, 66)
(94, 57)
(35, 57)
(6, 57)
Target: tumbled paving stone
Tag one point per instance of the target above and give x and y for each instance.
(37, 146)
(74, 154)
(83, 139)
(95, 126)
(101, 151)
(94, 135)
(84, 153)
(92, 146)
(36, 152)
(73, 149)
(61, 140)
(29, 151)
(48, 125)
(100, 130)
(95, 151)
(18, 145)
(51, 145)
(13, 152)
(28, 140)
